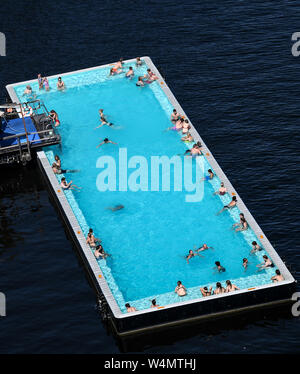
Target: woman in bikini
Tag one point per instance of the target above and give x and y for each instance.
(54, 116)
(91, 240)
(46, 83)
(230, 287)
(209, 176)
(219, 289)
(243, 224)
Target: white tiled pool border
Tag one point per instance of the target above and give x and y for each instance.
(74, 224)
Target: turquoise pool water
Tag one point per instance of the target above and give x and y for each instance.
(148, 239)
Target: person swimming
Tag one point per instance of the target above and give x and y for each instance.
(116, 207)
(153, 304)
(190, 255)
(130, 308)
(219, 267)
(245, 263)
(105, 141)
(242, 225)
(204, 247)
(219, 289)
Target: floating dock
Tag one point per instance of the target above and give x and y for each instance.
(211, 307)
(22, 135)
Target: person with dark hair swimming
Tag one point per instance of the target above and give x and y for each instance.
(222, 190)
(117, 207)
(255, 248)
(105, 141)
(153, 304)
(219, 267)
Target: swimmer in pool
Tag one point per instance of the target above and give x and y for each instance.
(100, 253)
(54, 117)
(204, 247)
(255, 248)
(105, 141)
(188, 138)
(230, 287)
(104, 122)
(140, 82)
(194, 151)
(130, 73)
(266, 264)
(40, 81)
(138, 62)
(153, 304)
(209, 176)
(245, 263)
(278, 277)
(130, 308)
(175, 116)
(180, 289)
(60, 84)
(222, 190)
(46, 84)
(242, 225)
(219, 289)
(150, 76)
(27, 91)
(190, 255)
(117, 207)
(205, 291)
(219, 267)
(91, 240)
(68, 186)
(231, 205)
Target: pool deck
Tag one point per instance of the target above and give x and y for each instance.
(184, 311)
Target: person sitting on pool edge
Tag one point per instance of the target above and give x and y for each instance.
(180, 289)
(105, 141)
(231, 205)
(138, 62)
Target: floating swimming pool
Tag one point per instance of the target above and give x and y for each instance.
(149, 239)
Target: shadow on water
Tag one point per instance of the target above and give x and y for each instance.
(205, 330)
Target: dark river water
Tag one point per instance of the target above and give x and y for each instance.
(229, 63)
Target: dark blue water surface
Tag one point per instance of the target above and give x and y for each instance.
(229, 64)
